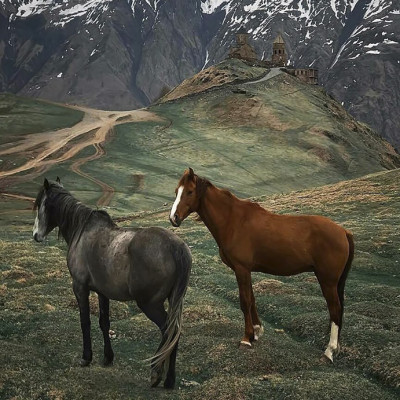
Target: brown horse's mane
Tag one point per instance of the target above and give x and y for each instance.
(202, 184)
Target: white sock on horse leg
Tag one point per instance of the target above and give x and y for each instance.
(258, 331)
(333, 341)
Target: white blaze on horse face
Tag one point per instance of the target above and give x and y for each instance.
(177, 201)
(36, 224)
(333, 342)
(38, 229)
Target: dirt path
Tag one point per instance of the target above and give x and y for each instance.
(51, 144)
(108, 191)
(18, 196)
(271, 74)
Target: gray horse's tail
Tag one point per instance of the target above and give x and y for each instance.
(183, 260)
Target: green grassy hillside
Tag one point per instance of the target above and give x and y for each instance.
(21, 118)
(20, 115)
(41, 340)
(269, 137)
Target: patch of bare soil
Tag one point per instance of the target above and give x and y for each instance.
(58, 146)
(321, 153)
(240, 110)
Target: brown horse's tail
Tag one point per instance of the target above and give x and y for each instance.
(183, 261)
(343, 277)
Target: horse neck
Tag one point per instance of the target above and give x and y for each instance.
(71, 218)
(214, 210)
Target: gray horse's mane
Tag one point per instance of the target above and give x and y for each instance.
(70, 214)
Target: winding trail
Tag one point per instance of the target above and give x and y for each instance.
(271, 74)
(108, 191)
(54, 147)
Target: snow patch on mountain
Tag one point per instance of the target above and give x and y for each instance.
(64, 12)
(33, 7)
(210, 6)
(376, 7)
(268, 5)
(153, 4)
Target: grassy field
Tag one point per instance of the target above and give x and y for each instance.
(20, 115)
(255, 140)
(41, 340)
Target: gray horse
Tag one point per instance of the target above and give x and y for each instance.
(148, 265)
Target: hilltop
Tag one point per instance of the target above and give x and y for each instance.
(228, 71)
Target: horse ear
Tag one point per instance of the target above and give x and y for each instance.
(191, 173)
(46, 184)
(58, 180)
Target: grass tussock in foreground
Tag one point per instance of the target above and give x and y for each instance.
(41, 340)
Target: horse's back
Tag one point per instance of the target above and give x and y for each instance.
(102, 259)
(155, 253)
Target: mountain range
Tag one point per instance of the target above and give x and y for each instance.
(123, 54)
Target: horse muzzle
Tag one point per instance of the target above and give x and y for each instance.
(37, 238)
(175, 221)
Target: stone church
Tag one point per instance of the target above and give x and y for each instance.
(243, 50)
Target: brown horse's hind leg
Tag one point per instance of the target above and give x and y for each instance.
(335, 311)
(258, 329)
(243, 278)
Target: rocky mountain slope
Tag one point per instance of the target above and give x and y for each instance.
(123, 54)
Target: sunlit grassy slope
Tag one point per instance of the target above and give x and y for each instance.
(41, 340)
(270, 137)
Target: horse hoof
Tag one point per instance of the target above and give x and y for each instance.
(258, 331)
(169, 385)
(244, 345)
(329, 355)
(108, 358)
(107, 362)
(155, 379)
(84, 363)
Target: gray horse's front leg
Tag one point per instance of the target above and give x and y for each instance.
(82, 296)
(104, 322)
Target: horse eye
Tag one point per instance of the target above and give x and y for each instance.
(189, 192)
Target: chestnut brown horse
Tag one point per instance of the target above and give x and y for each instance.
(251, 238)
